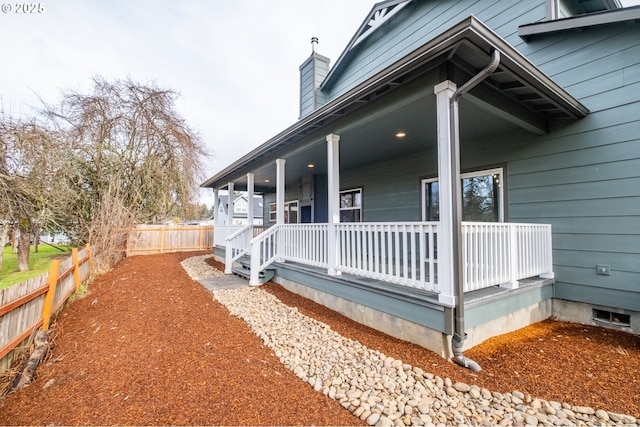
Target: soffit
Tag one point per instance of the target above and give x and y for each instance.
(518, 92)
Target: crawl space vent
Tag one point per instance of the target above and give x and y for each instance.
(610, 318)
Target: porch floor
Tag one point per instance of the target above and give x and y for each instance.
(470, 298)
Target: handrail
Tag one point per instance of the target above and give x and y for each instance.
(263, 247)
(235, 248)
(236, 233)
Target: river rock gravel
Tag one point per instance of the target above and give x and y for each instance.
(379, 389)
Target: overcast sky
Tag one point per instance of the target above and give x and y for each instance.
(234, 63)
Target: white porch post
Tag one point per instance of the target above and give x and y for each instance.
(216, 214)
(444, 92)
(228, 253)
(250, 189)
(333, 172)
(280, 191)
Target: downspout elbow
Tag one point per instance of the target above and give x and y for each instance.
(458, 357)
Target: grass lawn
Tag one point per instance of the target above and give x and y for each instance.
(38, 263)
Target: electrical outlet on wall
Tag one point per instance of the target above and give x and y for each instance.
(603, 270)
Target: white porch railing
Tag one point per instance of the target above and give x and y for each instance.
(400, 253)
(498, 253)
(405, 253)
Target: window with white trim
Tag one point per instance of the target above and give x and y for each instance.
(482, 197)
(241, 206)
(290, 212)
(351, 205)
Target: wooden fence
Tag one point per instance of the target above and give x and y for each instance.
(154, 239)
(29, 305)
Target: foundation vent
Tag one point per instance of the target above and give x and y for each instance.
(610, 318)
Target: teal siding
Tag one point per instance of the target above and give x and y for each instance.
(391, 189)
(584, 177)
(418, 23)
(307, 98)
(415, 308)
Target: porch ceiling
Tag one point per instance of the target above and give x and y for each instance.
(516, 98)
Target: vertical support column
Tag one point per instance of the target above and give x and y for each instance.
(333, 197)
(250, 190)
(216, 215)
(228, 253)
(230, 205)
(280, 188)
(444, 92)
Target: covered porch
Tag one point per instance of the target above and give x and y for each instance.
(464, 103)
(398, 253)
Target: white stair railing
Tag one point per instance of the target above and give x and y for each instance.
(237, 244)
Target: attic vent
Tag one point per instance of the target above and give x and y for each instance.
(610, 318)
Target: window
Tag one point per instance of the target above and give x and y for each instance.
(241, 206)
(272, 212)
(290, 212)
(482, 197)
(351, 205)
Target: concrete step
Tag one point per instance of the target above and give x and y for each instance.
(244, 271)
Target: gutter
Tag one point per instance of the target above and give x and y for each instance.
(459, 334)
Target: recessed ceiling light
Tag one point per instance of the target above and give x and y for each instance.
(311, 165)
(400, 134)
(266, 180)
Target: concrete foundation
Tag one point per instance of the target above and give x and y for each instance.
(578, 312)
(403, 329)
(508, 323)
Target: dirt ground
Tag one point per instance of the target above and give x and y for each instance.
(150, 346)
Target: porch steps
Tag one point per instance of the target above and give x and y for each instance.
(244, 270)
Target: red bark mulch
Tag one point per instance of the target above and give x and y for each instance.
(149, 346)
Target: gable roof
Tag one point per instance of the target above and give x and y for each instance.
(380, 14)
(223, 200)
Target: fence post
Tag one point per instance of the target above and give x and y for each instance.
(162, 239)
(76, 268)
(90, 255)
(52, 281)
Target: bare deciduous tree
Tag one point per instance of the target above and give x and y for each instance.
(28, 165)
(134, 159)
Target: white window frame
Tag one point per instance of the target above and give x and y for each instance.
(483, 172)
(358, 208)
(287, 209)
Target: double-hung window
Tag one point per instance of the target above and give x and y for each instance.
(351, 205)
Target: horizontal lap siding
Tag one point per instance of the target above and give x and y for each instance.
(421, 22)
(391, 189)
(584, 177)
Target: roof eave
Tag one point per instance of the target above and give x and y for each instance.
(470, 28)
(526, 32)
